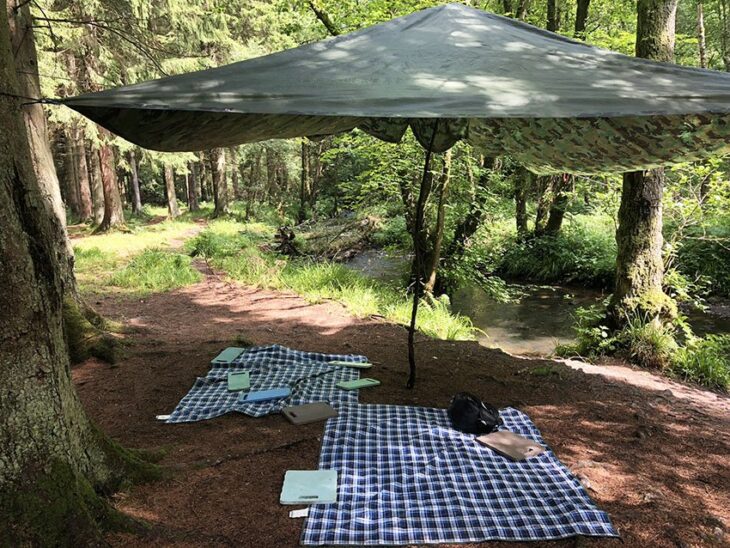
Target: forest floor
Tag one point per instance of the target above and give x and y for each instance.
(652, 452)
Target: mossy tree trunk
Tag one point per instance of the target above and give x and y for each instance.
(639, 263)
(53, 462)
(85, 336)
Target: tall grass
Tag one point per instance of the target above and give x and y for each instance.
(154, 271)
(237, 250)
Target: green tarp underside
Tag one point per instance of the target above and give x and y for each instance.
(507, 87)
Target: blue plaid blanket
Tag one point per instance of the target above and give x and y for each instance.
(407, 477)
(307, 374)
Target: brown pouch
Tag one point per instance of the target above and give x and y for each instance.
(309, 412)
(511, 445)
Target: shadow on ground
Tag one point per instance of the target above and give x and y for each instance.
(657, 462)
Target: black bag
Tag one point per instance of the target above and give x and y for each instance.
(471, 415)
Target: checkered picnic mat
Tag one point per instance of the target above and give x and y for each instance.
(407, 477)
(308, 374)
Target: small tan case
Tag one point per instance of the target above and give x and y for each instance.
(309, 412)
(511, 445)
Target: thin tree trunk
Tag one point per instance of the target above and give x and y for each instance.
(639, 264)
(204, 195)
(220, 190)
(701, 39)
(303, 182)
(418, 252)
(193, 187)
(581, 17)
(437, 237)
(113, 213)
(67, 173)
(172, 209)
(136, 197)
(97, 191)
(552, 16)
(81, 168)
(544, 186)
(468, 226)
(522, 183)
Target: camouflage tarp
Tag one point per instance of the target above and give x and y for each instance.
(552, 103)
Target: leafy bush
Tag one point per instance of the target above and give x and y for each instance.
(155, 270)
(705, 361)
(705, 256)
(584, 252)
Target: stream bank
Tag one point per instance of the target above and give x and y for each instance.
(541, 318)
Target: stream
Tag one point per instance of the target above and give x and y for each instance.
(540, 319)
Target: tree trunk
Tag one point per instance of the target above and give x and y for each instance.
(581, 17)
(303, 182)
(522, 9)
(418, 235)
(561, 186)
(78, 155)
(67, 174)
(204, 195)
(468, 226)
(193, 187)
(53, 462)
(172, 208)
(701, 38)
(113, 213)
(136, 197)
(522, 183)
(552, 16)
(437, 236)
(26, 67)
(97, 190)
(639, 265)
(220, 190)
(544, 187)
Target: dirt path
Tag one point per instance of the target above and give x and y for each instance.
(654, 454)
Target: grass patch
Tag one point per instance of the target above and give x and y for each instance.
(237, 250)
(705, 361)
(154, 271)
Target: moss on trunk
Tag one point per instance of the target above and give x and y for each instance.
(85, 334)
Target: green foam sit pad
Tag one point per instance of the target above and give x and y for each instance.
(359, 383)
(309, 487)
(239, 380)
(227, 355)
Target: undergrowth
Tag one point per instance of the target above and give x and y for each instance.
(670, 347)
(241, 252)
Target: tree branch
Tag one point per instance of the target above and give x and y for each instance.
(324, 18)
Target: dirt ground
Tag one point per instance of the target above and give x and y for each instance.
(651, 452)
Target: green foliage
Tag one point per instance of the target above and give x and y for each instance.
(651, 344)
(229, 247)
(155, 270)
(705, 361)
(583, 252)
